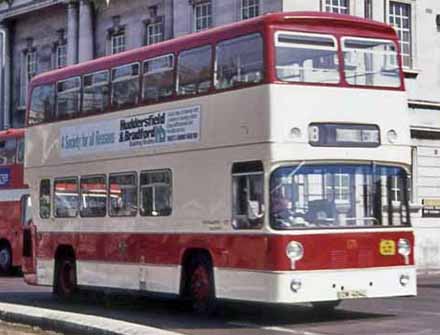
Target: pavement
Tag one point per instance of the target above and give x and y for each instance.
(130, 315)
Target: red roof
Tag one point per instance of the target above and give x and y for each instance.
(17, 133)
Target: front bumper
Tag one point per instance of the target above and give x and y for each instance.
(315, 286)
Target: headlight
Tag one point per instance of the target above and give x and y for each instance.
(404, 247)
(295, 251)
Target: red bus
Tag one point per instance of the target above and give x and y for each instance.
(259, 161)
(12, 189)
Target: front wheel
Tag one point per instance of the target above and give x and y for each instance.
(65, 279)
(5, 259)
(201, 288)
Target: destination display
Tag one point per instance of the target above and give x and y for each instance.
(143, 130)
(5, 176)
(431, 208)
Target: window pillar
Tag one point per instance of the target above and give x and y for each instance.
(5, 78)
(86, 35)
(72, 32)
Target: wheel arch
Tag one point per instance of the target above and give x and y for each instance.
(187, 256)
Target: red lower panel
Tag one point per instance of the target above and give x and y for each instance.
(10, 228)
(256, 252)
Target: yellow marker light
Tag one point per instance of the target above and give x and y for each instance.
(387, 247)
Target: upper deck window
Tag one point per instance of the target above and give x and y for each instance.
(369, 62)
(239, 61)
(8, 150)
(306, 58)
(125, 85)
(158, 78)
(194, 71)
(68, 97)
(96, 92)
(42, 104)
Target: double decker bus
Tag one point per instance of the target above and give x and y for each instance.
(264, 161)
(12, 189)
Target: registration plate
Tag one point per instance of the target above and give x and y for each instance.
(353, 294)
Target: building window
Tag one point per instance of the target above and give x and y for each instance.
(336, 6)
(249, 9)
(61, 56)
(154, 31)
(118, 43)
(400, 18)
(29, 71)
(202, 16)
(368, 9)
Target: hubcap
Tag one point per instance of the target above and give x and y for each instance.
(67, 278)
(200, 285)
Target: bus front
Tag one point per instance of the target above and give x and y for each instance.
(338, 197)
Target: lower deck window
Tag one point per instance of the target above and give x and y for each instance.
(156, 193)
(123, 195)
(66, 198)
(93, 196)
(248, 195)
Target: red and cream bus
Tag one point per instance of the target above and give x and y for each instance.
(12, 189)
(263, 161)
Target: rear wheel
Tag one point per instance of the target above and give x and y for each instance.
(65, 278)
(200, 286)
(5, 259)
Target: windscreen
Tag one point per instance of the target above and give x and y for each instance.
(335, 196)
(369, 62)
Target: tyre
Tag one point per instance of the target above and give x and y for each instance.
(65, 278)
(325, 307)
(5, 259)
(201, 287)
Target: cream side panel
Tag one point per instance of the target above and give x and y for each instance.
(226, 119)
(163, 279)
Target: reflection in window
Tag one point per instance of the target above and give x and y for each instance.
(123, 194)
(158, 78)
(194, 71)
(42, 104)
(306, 58)
(125, 85)
(371, 62)
(93, 196)
(96, 92)
(8, 150)
(68, 97)
(45, 199)
(247, 195)
(66, 198)
(339, 196)
(156, 193)
(239, 61)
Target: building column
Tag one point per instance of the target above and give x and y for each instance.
(72, 32)
(5, 78)
(86, 45)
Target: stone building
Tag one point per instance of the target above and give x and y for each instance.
(39, 35)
